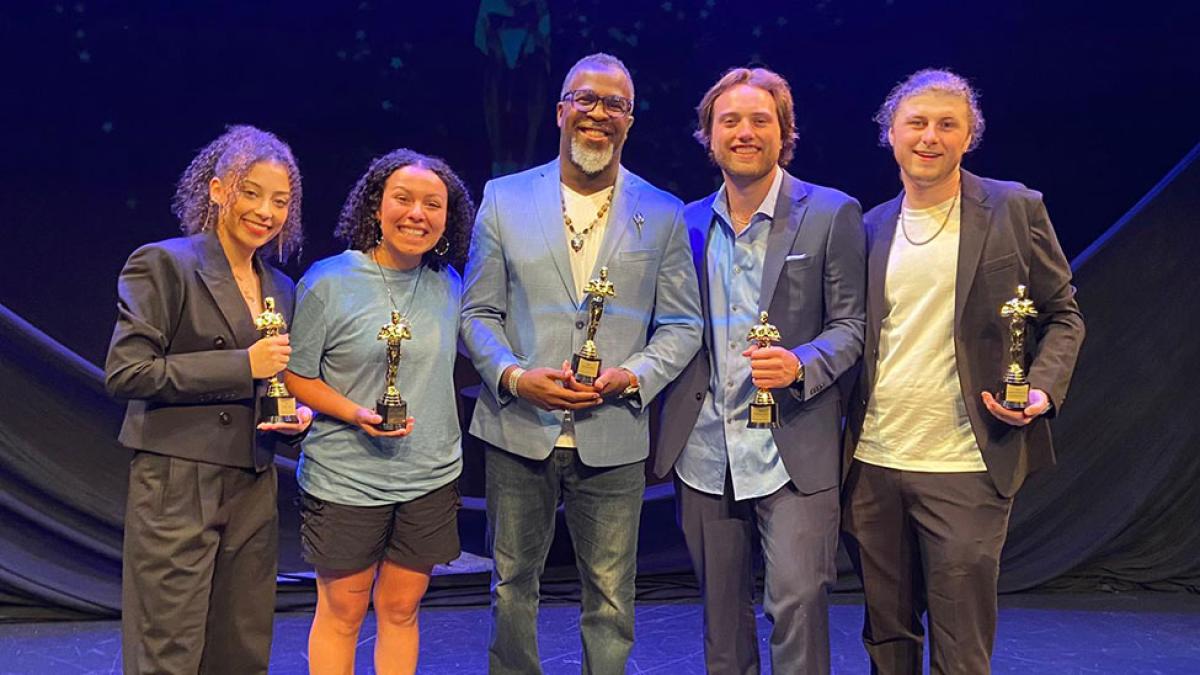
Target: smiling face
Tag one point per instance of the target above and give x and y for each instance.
(592, 141)
(254, 210)
(745, 136)
(930, 132)
(412, 215)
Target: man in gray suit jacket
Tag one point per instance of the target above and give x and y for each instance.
(933, 458)
(764, 241)
(540, 237)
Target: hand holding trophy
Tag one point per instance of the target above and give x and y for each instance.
(1014, 390)
(764, 411)
(586, 362)
(277, 406)
(392, 408)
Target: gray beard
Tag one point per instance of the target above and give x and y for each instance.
(590, 161)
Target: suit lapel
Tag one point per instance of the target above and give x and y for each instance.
(217, 277)
(699, 225)
(625, 201)
(789, 213)
(972, 235)
(547, 196)
(884, 230)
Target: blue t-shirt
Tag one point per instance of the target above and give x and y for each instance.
(341, 303)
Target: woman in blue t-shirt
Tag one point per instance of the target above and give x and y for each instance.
(379, 507)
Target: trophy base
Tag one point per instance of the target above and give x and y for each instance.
(277, 410)
(395, 415)
(763, 416)
(1014, 396)
(587, 369)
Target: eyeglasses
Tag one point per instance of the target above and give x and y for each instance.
(585, 100)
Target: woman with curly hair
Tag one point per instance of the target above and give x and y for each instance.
(201, 524)
(379, 507)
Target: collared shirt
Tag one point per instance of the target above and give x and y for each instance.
(721, 440)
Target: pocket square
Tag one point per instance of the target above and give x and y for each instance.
(796, 256)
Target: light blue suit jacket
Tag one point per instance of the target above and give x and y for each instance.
(519, 307)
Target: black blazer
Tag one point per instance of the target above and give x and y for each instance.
(179, 354)
(1006, 239)
(813, 288)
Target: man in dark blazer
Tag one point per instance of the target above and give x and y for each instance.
(933, 458)
(764, 241)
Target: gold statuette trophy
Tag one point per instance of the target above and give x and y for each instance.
(1014, 391)
(277, 405)
(586, 362)
(764, 411)
(392, 408)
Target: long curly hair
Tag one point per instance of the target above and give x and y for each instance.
(359, 226)
(230, 158)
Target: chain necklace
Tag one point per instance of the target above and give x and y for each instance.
(946, 219)
(577, 237)
(387, 287)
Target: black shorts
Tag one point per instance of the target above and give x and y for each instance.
(414, 534)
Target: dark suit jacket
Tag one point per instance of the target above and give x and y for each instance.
(1006, 239)
(815, 299)
(178, 353)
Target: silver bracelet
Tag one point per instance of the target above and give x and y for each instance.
(513, 378)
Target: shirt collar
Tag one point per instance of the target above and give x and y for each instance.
(766, 208)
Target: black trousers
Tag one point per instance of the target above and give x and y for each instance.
(926, 542)
(199, 563)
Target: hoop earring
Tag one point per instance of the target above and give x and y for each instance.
(442, 247)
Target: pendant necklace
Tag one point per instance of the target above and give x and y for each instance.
(387, 287)
(578, 237)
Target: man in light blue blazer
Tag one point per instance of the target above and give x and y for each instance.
(540, 237)
(764, 241)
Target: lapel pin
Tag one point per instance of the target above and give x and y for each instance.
(639, 220)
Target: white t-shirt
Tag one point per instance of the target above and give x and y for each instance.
(582, 210)
(917, 419)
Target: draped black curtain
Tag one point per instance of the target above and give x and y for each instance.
(1119, 511)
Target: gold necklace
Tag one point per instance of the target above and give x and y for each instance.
(577, 237)
(946, 219)
(388, 287)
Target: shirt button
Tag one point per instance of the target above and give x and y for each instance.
(579, 325)
(224, 418)
(736, 269)
(219, 342)
(733, 345)
(700, 396)
(735, 308)
(729, 384)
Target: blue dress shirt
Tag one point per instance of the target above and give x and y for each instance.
(721, 440)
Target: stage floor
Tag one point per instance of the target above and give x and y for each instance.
(1039, 633)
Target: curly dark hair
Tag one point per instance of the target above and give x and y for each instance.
(359, 226)
(230, 158)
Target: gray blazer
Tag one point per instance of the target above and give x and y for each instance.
(519, 307)
(1006, 239)
(178, 354)
(813, 287)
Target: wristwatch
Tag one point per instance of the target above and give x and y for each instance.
(633, 387)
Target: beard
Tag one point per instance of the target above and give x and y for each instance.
(591, 161)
